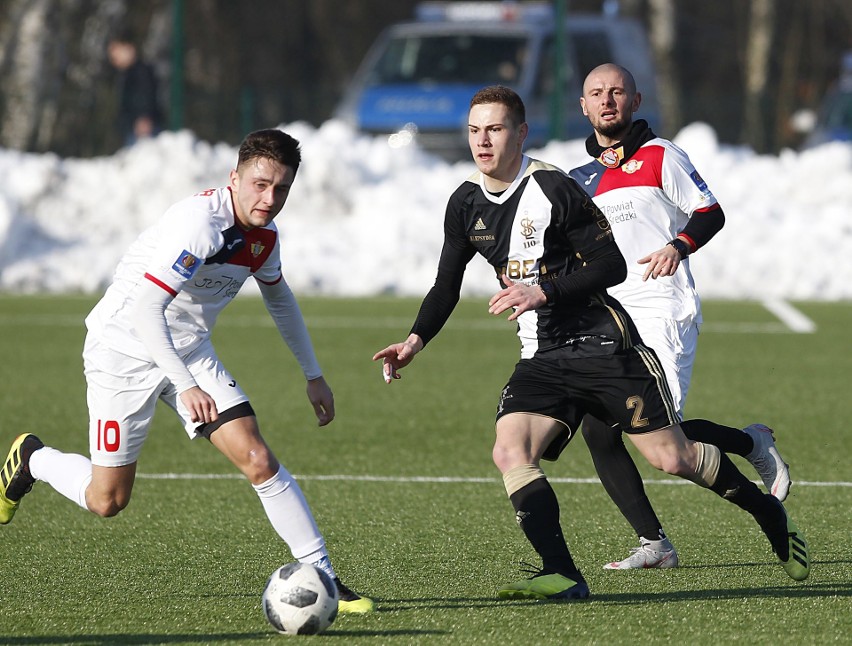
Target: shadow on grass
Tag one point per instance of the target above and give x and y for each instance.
(129, 639)
(791, 591)
(719, 566)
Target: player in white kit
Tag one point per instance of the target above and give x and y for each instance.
(660, 211)
(149, 339)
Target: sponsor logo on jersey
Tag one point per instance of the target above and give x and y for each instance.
(699, 181)
(186, 265)
(611, 157)
(701, 184)
(591, 177)
(632, 166)
(479, 226)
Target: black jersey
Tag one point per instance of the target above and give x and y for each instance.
(542, 228)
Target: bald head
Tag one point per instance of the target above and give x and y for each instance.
(611, 71)
(609, 101)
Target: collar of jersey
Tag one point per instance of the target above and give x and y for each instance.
(640, 133)
(510, 190)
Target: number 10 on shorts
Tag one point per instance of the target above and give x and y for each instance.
(109, 436)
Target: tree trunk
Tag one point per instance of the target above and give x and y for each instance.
(24, 74)
(663, 19)
(758, 48)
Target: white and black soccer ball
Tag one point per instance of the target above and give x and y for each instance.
(300, 599)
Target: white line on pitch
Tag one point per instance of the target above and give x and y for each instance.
(790, 319)
(790, 316)
(435, 479)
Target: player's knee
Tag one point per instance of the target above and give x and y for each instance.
(671, 460)
(260, 465)
(106, 506)
(675, 464)
(698, 463)
(505, 457)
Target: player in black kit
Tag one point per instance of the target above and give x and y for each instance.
(553, 251)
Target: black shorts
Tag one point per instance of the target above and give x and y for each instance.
(627, 389)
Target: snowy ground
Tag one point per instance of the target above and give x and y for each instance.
(366, 219)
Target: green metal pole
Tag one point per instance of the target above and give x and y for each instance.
(247, 102)
(176, 103)
(557, 99)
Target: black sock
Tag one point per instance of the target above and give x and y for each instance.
(728, 439)
(620, 477)
(736, 488)
(537, 512)
(765, 508)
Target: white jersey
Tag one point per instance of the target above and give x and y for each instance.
(198, 254)
(648, 200)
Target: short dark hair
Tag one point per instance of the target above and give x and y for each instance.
(126, 36)
(270, 144)
(505, 96)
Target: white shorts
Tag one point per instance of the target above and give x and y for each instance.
(675, 343)
(122, 395)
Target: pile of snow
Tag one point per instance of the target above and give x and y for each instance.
(364, 218)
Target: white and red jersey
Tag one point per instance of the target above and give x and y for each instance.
(648, 199)
(197, 253)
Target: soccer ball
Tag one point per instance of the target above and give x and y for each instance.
(300, 599)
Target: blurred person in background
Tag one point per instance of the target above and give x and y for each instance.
(554, 255)
(139, 115)
(149, 339)
(661, 211)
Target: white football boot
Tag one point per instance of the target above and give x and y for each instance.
(766, 460)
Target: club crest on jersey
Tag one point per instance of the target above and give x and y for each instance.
(186, 265)
(632, 166)
(612, 157)
(257, 249)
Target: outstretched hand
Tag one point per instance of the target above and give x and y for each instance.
(520, 296)
(397, 356)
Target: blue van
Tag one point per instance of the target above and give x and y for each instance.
(416, 81)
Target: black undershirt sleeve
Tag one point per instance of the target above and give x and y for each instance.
(702, 226)
(442, 298)
(603, 268)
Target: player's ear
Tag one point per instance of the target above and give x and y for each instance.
(637, 100)
(235, 178)
(523, 131)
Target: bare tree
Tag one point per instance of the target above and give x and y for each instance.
(758, 50)
(662, 20)
(25, 40)
(268, 62)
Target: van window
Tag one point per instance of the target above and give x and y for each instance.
(470, 59)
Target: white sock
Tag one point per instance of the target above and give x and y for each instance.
(660, 545)
(68, 473)
(288, 511)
